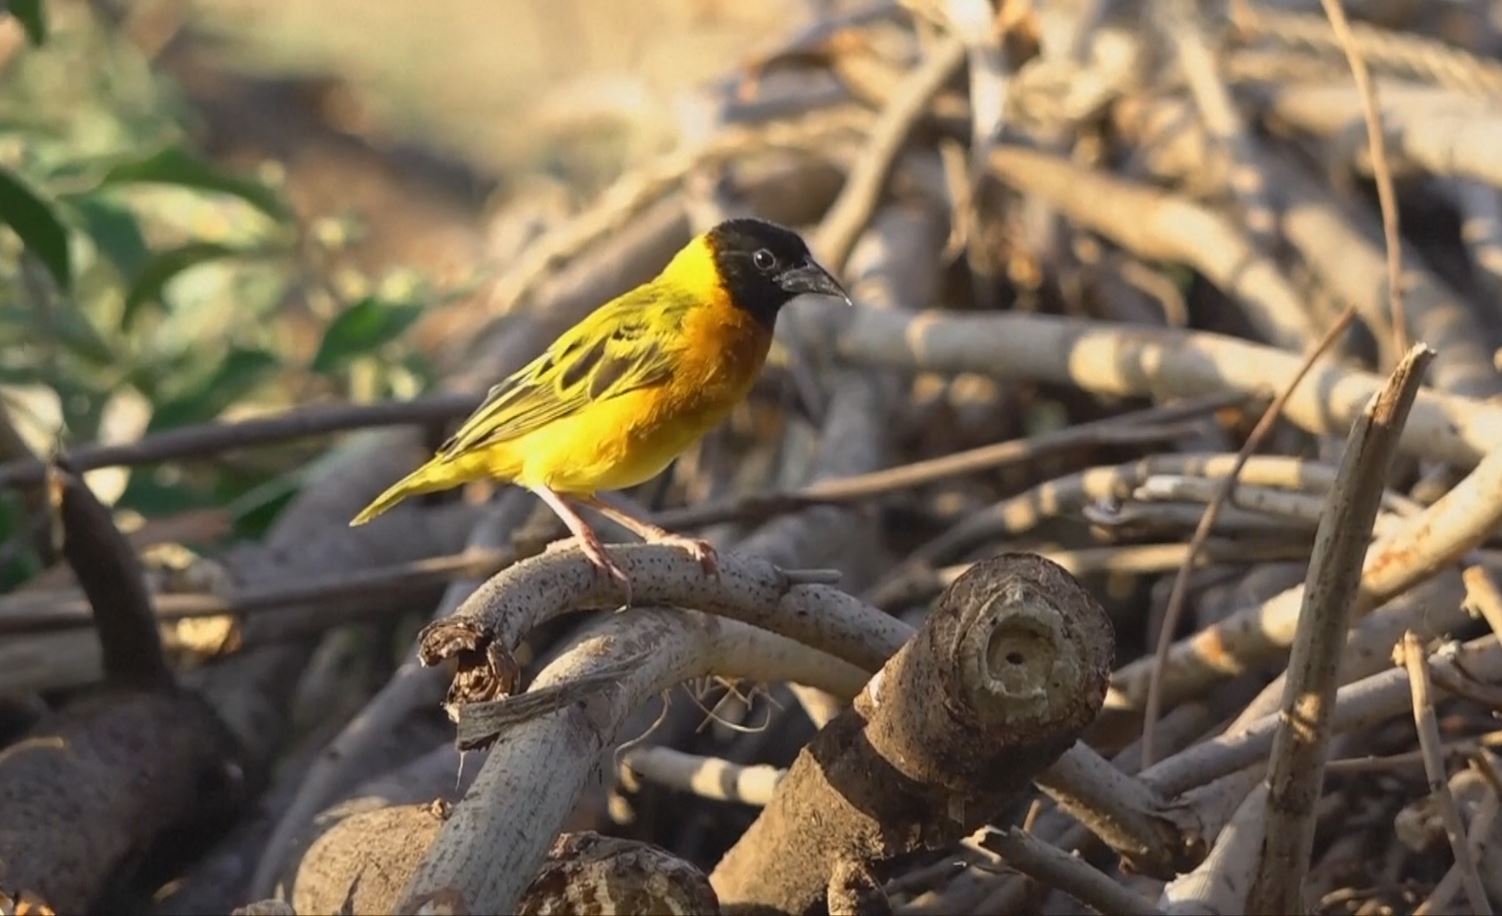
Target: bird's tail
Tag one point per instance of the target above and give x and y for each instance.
(437, 474)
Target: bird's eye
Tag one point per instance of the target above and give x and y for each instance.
(764, 259)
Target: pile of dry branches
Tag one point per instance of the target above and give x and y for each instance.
(1175, 322)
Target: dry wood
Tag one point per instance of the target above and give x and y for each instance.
(121, 768)
(1376, 142)
(992, 689)
(494, 841)
(1206, 525)
(1300, 748)
(1073, 876)
(1417, 667)
(1108, 360)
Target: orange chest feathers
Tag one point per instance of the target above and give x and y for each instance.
(722, 351)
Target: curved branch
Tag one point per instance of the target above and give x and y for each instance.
(491, 623)
(495, 840)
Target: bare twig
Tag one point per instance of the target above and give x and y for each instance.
(1150, 425)
(1059, 869)
(1442, 897)
(1206, 525)
(210, 440)
(1387, 198)
(1402, 52)
(1363, 703)
(643, 187)
(1417, 665)
(848, 217)
(707, 777)
(1219, 884)
(1222, 121)
(1297, 767)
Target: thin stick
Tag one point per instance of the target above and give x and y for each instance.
(1180, 591)
(17, 614)
(1387, 198)
(706, 777)
(213, 439)
(1149, 425)
(52, 613)
(848, 216)
(1296, 771)
(1434, 766)
(1058, 869)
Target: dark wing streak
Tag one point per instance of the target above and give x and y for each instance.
(629, 358)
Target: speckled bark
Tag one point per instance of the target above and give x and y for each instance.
(592, 875)
(1001, 679)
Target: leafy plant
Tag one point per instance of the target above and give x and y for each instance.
(138, 279)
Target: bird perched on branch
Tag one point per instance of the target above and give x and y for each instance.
(621, 394)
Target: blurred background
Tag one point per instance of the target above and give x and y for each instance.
(273, 203)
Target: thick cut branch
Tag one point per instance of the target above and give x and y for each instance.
(997, 684)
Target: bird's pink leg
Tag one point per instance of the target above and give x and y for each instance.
(589, 542)
(700, 550)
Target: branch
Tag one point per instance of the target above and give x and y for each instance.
(1421, 546)
(212, 440)
(1300, 748)
(1060, 870)
(1202, 531)
(112, 580)
(1219, 884)
(1366, 702)
(1439, 131)
(588, 874)
(706, 777)
(495, 840)
(1387, 198)
(999, 681)
(490, 624)
(412, 687)
(1431, 744)
(1159, 225)
(1102, 358)
(847, 218)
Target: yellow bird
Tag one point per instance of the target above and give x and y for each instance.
(625, 391)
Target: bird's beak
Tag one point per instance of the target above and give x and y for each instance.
(811, 278)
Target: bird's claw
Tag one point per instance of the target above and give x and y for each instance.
(594, 551)
(699, 549)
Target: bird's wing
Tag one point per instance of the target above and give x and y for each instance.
(626, 344)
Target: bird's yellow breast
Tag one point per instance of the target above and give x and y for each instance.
(630, 438)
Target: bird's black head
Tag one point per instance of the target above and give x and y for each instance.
(763, 265)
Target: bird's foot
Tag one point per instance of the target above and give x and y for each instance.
(594, 551)
(700, 550)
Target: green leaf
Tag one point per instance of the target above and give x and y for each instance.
(115, 231)
(33, 219)
(240, 372)
(361, 329)
(176, 167)
(73, 329)
(165, 265)
(33, 18)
